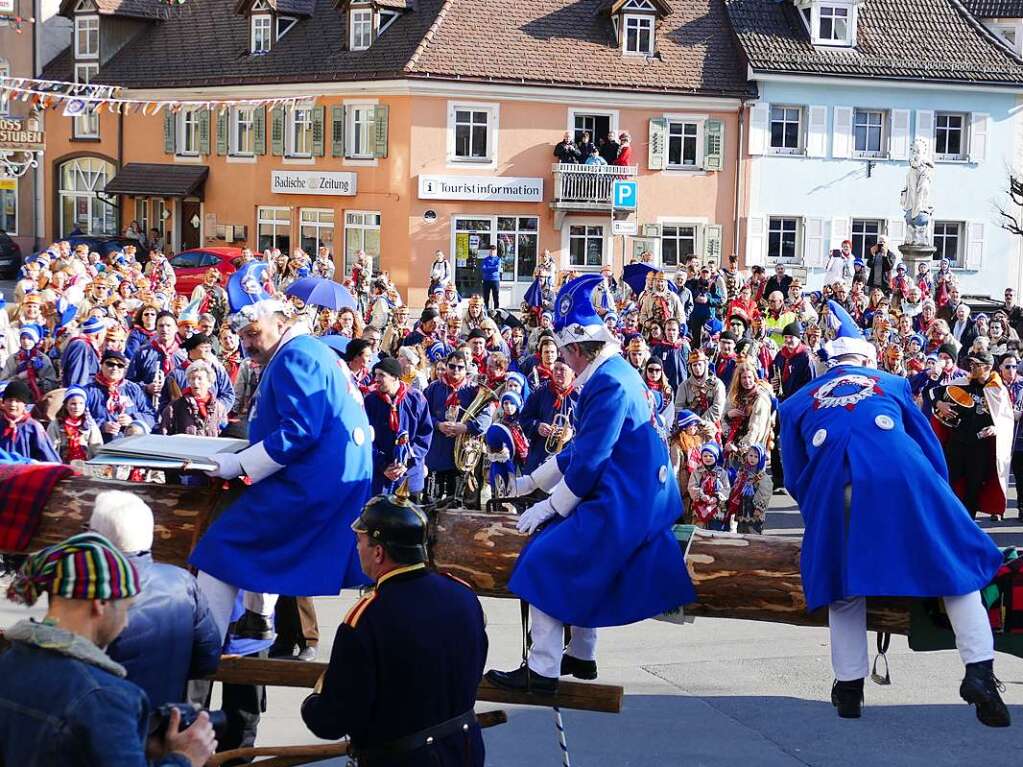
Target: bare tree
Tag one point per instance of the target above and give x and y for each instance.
(1013, 222)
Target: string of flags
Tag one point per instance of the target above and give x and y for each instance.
(86, 98)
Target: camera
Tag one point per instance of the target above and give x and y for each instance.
(160, 718)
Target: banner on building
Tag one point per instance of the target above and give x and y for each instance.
(313, 182)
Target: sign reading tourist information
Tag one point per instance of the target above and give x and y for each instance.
(313, 182)
(481, 188)
(15, 135)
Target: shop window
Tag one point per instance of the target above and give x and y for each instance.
(316, 230)
(585, 246)
(362, 232)
(273, 229)
(517, 245)
(9, 205)
(82, 209)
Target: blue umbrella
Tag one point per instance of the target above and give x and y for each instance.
(321, 292)
(634, 275)
(338, 343)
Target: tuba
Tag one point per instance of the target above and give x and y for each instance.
(559, 435)
(470, 449)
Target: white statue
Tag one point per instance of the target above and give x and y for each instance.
(916, 196)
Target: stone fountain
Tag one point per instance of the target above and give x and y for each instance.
(916, 204)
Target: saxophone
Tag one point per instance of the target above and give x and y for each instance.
(469, 449)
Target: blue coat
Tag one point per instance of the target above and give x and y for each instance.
(137, 338)
(171, 636)
(290, 533)
(413, 418)
(490, 268)
(614, 559)
(538, 409)
(147, 360)
(906, 533)
(29, 441)
(134, 399)
(441, 455)
(674, 361)
(79, 363)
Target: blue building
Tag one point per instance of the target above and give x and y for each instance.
(845, 87)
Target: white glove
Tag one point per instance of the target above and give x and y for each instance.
(524, 485)
(229, 466)
(535, 516)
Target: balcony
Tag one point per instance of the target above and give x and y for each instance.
(586, 188)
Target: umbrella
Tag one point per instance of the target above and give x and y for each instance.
(338, 343)
(534, 296)
(321, 292)
(634, 276)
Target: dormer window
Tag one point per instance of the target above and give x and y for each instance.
(262, 33)
(635, 24)
(830, 22)
(284, 25)
(639, 35)
(361, 29)
(86, 37)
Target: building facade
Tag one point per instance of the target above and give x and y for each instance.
(844, 91)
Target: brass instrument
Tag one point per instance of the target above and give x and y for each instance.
(560, 434)
(469, 449)
(959, 399)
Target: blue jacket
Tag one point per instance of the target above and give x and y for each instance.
(675, 362)
(171, 636)
(30, 441)
(134, 401)
(490, 267)
(414, 419)
(147, 360)
(79, 363)
(538, 409)
(441, 456)
(70, 707)
(613, 560)
(905, 533)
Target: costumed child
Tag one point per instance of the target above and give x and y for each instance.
(709, 488)
(751, 492)
(684, 449)
(74, 432)
(30, 365)
(508, 416)
(501, 455)
(19, 432)
(915, 358)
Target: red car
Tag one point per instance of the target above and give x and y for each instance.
(190, 266)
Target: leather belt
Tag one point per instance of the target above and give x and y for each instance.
(428, 737)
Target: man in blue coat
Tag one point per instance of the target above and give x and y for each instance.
(555, 400)
(80, 361)
(603, 552)
(881, 520)
(120, 407)
(310, 465)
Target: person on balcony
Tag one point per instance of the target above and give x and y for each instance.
(594, 158)
(609, 148)
(566, 151)
(585, 146)
(625, 152)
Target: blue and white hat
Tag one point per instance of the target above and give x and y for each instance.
(31, 332)
(93, 325)
(713, 449)
(74, 391)
(848, 336)
(247, 297)
(685, 418)
(575, 318)
(512, 397)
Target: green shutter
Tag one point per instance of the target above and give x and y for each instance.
(277, 131)
(712, 242)
(657, 153)
(380, 113)
(259, 130)
(222, 123)
(204, 131)
(713, 144)
(337, 131)
(169, 126)
(319, 115)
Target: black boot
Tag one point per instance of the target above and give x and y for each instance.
(524, 680)
(847, 697)
(580, 669)
(253, 626)
(980, 687)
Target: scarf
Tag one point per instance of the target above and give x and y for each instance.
(665, 344)
(543, 372)
(114, 405)
(744, 488)
(11, 427)
(452, 398)
(480, 361)
(654, 385)
(394, 420)
(168, 352)
(787, 355)
(233, 363)
(145, 333)
(722, 364)
(199, 407)
(73, 431)
(560, 395)
(494, 379)
(26, 364)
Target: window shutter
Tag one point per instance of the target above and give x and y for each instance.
(223, 117)
(817, 132)
(974, 245)
(755, 241)
(925, 127)
(840, 230)
(657, 150)
(813, 245)
(170, 125)
(896, 231)
(204, 131)
(381, 113)
(979, 123)
(337, 131)
(277, 131)
(759, 115)
(713, 146)
(898, 144)
(712, 243)
(259, 130)
(319, 115)
(841, 145)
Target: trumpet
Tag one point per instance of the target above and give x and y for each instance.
(776, 382)
(470, 449)
(559, 436)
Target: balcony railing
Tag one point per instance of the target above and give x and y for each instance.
(587, 187)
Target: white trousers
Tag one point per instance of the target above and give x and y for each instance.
(848, 621)
(549, 643)
(221, 598)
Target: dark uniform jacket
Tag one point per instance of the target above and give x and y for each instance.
(409, 656)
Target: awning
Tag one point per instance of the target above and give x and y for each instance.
(158, 180)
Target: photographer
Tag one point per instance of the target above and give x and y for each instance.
(880, 262)
(64, 701)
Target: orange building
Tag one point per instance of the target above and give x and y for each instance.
(413, 127)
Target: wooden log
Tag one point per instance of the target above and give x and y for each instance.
(282, 673)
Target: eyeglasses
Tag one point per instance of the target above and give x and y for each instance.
(456, 367)
(114, 365)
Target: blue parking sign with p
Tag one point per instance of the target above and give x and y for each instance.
(624, 194)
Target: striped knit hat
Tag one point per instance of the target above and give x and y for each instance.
(85, 566)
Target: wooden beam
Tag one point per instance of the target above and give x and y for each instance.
(288, 673)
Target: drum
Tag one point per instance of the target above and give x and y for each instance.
(960, 400)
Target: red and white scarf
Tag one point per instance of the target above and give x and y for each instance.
(115, 406)
(394, 419)
(168, 352)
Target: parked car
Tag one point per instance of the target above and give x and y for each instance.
(10, 256)
(106, 244)
(190, 266)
